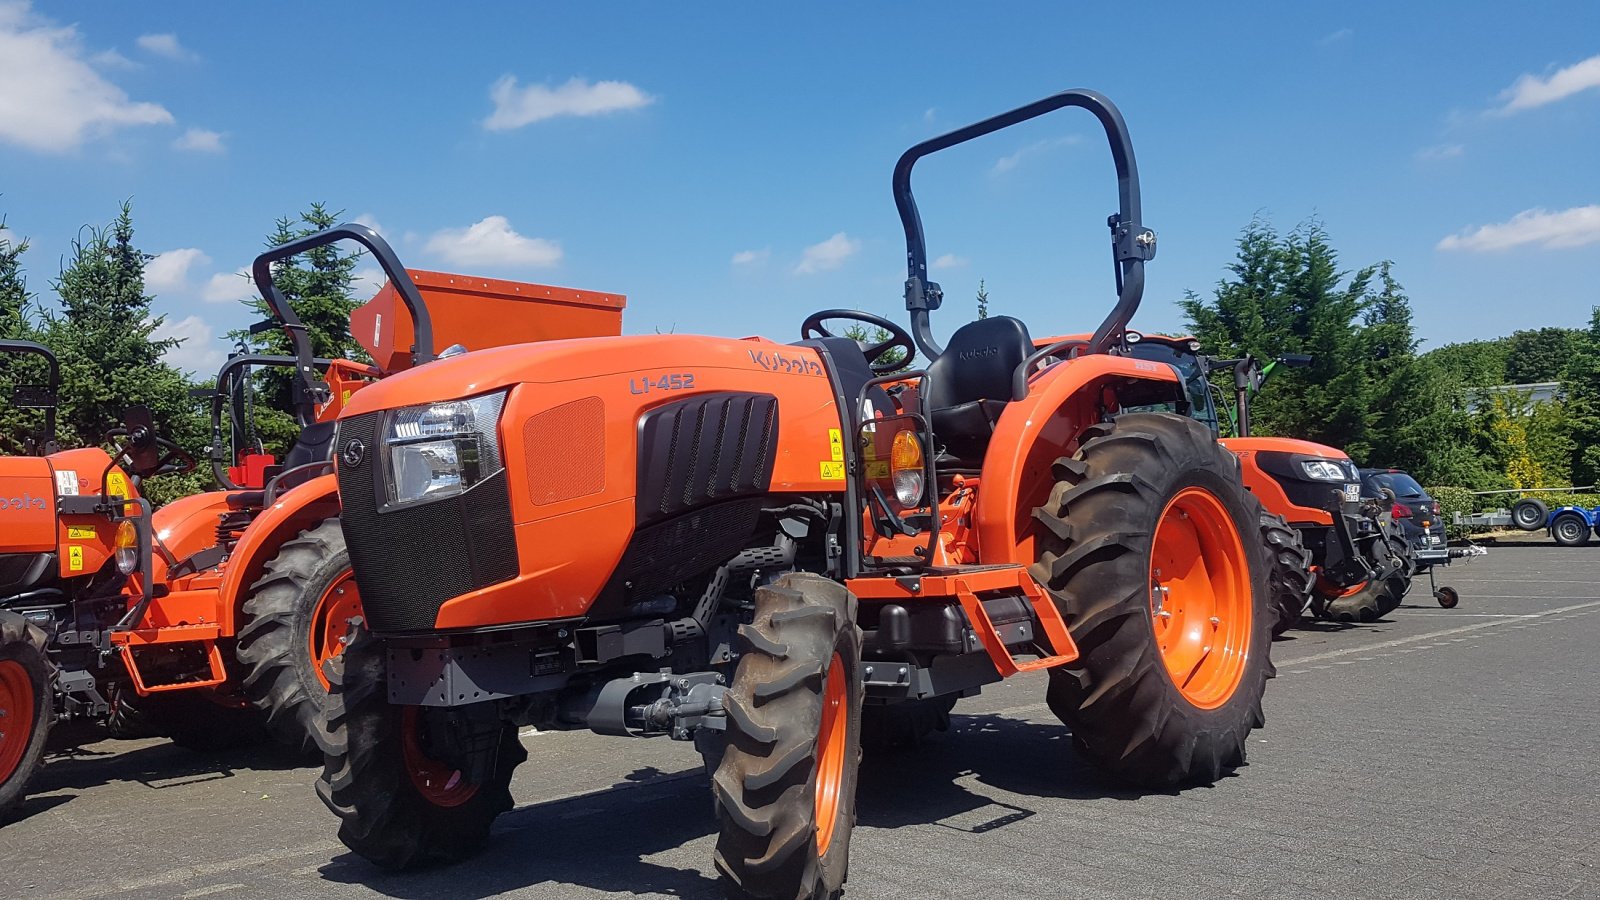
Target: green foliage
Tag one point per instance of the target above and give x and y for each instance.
(859, 333)
(16, 323)
(104, 335)
(983, 300)
(1542, 355)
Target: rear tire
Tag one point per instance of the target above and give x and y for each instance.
(291, 628)
(1529, 514)
(785, 793)
(27, 706)
(1290, 575)
(1096, 537)
(1570, 530)
(391, 816)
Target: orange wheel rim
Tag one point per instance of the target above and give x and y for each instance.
(438, 783)
(340, 603)
(1332, 591)
(1200, 597)
(831, 742)
(16, 716)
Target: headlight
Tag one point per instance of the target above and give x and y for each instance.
(442, 449)
(1323, 469)
(126, 547)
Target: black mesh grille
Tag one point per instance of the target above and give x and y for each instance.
(668, 553)
(409, 561)
(704, 449)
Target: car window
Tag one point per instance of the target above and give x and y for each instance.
(1401, 484)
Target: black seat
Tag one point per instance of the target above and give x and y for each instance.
(969, 384)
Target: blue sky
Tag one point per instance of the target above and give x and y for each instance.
(727, 167)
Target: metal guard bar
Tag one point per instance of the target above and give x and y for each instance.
(1132, 243)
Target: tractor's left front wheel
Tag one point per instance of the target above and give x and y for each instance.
(402, 801)
(27, 702)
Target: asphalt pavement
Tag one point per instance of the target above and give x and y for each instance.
(1437, 753)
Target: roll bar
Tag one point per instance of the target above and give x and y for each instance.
(1131, 243)
(421, 325)
(223, 386)
(53, 385)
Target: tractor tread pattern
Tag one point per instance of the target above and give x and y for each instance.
(25, 643)
(1290, 574)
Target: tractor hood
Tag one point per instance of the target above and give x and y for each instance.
(553, 362)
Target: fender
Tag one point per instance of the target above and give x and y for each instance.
(1032, 434)
(186, 526)
(298, 509)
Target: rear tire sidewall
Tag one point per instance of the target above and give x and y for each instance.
(1570, 530)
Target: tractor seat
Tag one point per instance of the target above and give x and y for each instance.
(314, 445)
(969, 385)
(24, 572)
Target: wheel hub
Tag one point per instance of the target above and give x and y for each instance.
(1200, 597)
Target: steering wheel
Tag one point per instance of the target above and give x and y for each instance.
(813, 328)
(149, 454)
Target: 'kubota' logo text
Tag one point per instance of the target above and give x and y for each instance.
(26, 501)
(790, 365)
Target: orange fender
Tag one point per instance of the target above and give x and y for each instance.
(1033, 433)
(186, 526)
(295, 510)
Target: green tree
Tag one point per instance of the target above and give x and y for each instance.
(1535, 356)
(111, 358)
(16, 323)
(983, 300)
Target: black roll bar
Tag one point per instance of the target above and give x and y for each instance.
(53, 385)
(1131, 243)
(421, 325)
(224, 386)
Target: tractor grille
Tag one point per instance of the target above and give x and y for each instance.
(704, 449)
(408, 561)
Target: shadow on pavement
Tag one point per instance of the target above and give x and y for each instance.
(608, 840)
(80, 759)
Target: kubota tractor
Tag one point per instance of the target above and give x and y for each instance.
(749, 544)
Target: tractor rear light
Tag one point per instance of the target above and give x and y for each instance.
(441, 449)
(907, 469)
(126, 543)
(1400, 511)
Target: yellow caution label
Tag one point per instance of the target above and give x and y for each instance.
(836, 445)
(832, 471)
(878, 470)
(81, 532)
(75, 559)
(344, 397)
(117, 485)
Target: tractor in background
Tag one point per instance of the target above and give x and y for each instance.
(744, 544)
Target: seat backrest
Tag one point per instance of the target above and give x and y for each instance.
(315, 444)
(978, 362)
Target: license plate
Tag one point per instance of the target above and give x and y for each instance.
(1433, 539)
(1352, 493)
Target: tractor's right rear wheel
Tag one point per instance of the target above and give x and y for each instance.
(27, 706)
(1149, 546)
(401, 805)
(785, 792)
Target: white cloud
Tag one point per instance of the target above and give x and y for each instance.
(200, 140)
(51, 97)
(492, 242)
(1007, 163)
(199, 352)
(371, 221)
(828, 255)
(166, 45)
(111, 59)
(929, 114)
(1334, 37)
(168, 273)
(516, 106)
(367, 282)
(1531, 91)
(1552, 230)
(226, 287)
(1441, 152)
(751, 257)
(950, 261)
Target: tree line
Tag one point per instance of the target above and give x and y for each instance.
(1370, 389)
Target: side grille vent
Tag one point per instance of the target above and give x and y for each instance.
(566, 451)
(706, 448)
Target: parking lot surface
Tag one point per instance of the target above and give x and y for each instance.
(1437, 753)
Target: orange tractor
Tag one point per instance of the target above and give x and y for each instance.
(754, 545)
(184, 619)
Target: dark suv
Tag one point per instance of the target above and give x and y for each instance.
(1416, 513)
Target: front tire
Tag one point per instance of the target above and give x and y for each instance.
(27, 706)
(1151, 507)
(1290, 573)
(785, 793)
(297, 612)
(1570, 530)
(400, 806)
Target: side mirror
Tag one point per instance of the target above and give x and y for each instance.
(1295, 360)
